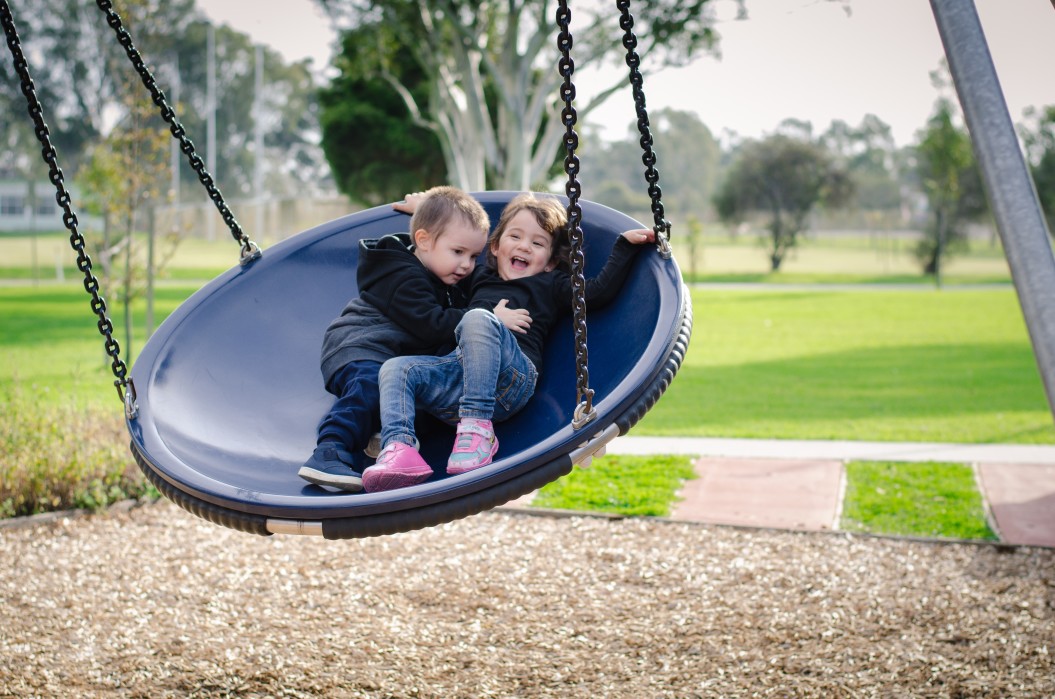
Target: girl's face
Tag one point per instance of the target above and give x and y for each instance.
(451, 256)
(524, 249)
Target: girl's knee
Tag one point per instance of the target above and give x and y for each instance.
(394, 368)
(477, 320)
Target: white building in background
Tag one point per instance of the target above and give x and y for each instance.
(28, 207)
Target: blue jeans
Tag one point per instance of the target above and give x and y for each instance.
(353, 419)
(488, 377)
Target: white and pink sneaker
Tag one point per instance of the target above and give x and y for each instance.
(474, 446)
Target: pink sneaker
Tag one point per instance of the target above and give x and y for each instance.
(398, 466)
(474, 446)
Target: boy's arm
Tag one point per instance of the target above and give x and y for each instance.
(516, 319)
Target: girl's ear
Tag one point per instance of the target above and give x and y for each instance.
(422, 239)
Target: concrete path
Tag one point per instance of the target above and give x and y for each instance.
(798, 484)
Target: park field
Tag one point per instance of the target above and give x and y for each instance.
(918, 365)
(883, 257)
(864, 363)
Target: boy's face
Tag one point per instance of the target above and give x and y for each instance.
(524, 249)
(451, 256)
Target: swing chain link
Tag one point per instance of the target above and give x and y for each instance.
(633, 61)
(584, 410)
(123, 384)
(250, 250)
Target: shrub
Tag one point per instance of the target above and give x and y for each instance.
(61, 457)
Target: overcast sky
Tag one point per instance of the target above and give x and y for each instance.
(804, 59)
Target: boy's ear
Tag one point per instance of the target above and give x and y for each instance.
(421, 238)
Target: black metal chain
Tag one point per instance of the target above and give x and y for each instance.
(250, 250)
(125, 389)
(633, 61)
(584, 410)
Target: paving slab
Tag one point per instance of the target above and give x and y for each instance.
(836, 449)
(1021, 498)
(799, 494)
(797, 484)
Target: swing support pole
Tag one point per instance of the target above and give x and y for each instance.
(1011, 191)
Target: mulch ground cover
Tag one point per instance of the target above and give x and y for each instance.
(153, 602)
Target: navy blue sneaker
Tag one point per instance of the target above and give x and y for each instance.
(330, 464)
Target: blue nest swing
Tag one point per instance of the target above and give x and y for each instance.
(230, 392)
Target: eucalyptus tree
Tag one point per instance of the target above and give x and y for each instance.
(869, 154)
(75, 61)
(81, 76)
(490, 67)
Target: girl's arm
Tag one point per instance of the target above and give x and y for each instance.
(604, 287)
(410, 203)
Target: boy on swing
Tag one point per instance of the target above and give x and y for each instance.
(409, 303)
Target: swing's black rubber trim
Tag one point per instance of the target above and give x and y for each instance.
(449, 510)
(371, 525)
(244, 522)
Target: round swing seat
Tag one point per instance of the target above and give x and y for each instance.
(229, 389)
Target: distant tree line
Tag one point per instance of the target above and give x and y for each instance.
(411, 72)
(466, 92)
(86, 86)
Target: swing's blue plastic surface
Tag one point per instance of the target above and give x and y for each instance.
(230, 391)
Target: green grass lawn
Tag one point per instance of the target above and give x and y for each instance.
(625, 485)
(927, 500)
(949, 366)
(51, 345)
(48, 257)
(857, 257)
(914, 499)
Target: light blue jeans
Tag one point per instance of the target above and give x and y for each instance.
(488, 377)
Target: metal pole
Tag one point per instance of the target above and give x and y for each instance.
(1012, 194)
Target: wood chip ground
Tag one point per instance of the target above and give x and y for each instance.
(153, 602)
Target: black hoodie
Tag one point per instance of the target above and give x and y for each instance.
(420, 311)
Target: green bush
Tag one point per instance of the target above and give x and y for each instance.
(59, 457)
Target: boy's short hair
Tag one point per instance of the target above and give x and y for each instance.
(441, 204)
(551, 216)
